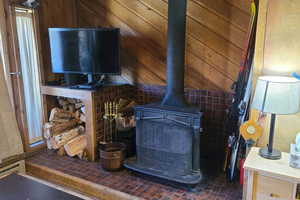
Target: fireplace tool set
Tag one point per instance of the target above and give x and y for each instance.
(112, 154)
(110, 115)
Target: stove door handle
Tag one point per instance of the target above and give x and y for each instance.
(173, 120)
(163, 117)
(196, 128)
(145, 118)
(179, 122)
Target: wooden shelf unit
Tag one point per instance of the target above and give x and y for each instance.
(87, 98)
(93, 101)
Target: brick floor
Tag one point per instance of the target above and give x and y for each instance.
(214, 187)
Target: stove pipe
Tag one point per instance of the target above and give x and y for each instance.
(176, 54)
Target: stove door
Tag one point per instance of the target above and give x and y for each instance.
(165, 144)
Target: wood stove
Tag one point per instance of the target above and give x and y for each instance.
(168, 134)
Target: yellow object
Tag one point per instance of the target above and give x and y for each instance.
(253, 8)
(251, 130)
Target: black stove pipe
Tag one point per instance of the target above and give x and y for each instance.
(176, 54)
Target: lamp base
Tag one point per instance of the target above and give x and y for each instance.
(274, 155)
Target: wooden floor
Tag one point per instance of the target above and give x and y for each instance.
(95, 191)
(89, 178)
(21, 186)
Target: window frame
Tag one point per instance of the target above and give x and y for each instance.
(16, 82)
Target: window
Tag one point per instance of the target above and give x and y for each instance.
(30, 73)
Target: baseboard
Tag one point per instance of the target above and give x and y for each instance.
(77, 184)
(17, 167)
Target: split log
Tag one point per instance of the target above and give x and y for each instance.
(83, 118)
(65, 108)
(128, 107)
(77, 114)
(49, 146)
(83, 156)
(125, 123)
(60, 140)
(67, 102)
(71, 108)
(62, 101)
(52, 129)
(61, 121)
(132, 121)
(61, 151)
(78, 105)
(123, 102)
(76, 146)
(60, 115)
(72, 101)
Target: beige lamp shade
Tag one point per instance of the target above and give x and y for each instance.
(277, 95)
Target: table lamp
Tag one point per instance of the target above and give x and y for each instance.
(277, 95)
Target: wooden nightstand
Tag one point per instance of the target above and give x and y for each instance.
(269, 179)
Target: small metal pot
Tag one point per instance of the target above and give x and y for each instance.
(112, 156)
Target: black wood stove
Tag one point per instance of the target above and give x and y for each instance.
(168, 134)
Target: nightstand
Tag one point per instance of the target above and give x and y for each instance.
(269, 179)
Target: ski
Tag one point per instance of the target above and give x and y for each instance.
(242, 88)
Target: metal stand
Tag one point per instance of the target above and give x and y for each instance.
(269, 152)
(91, 78)
(71, 79)
(111, 110)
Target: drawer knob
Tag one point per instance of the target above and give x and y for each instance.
(274, 195)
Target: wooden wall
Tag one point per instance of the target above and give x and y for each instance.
(215, 40)
(10, 143)
(58, 13)
(277, 53)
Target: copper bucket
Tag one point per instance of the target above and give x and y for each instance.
(112, 156)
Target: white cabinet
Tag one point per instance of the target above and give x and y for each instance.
(269, 179)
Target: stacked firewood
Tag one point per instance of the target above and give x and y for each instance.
(72, 105)
(125, 119)
(66, 127)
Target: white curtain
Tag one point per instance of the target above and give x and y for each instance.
(2, 25)
(30, 76)
(2, 55)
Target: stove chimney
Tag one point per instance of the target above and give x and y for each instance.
(176, 54)
(168, 135)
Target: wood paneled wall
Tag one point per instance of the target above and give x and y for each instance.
(58, 13)
(277, 53)
(216, 32)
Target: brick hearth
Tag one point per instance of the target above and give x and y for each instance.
(213, 188)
